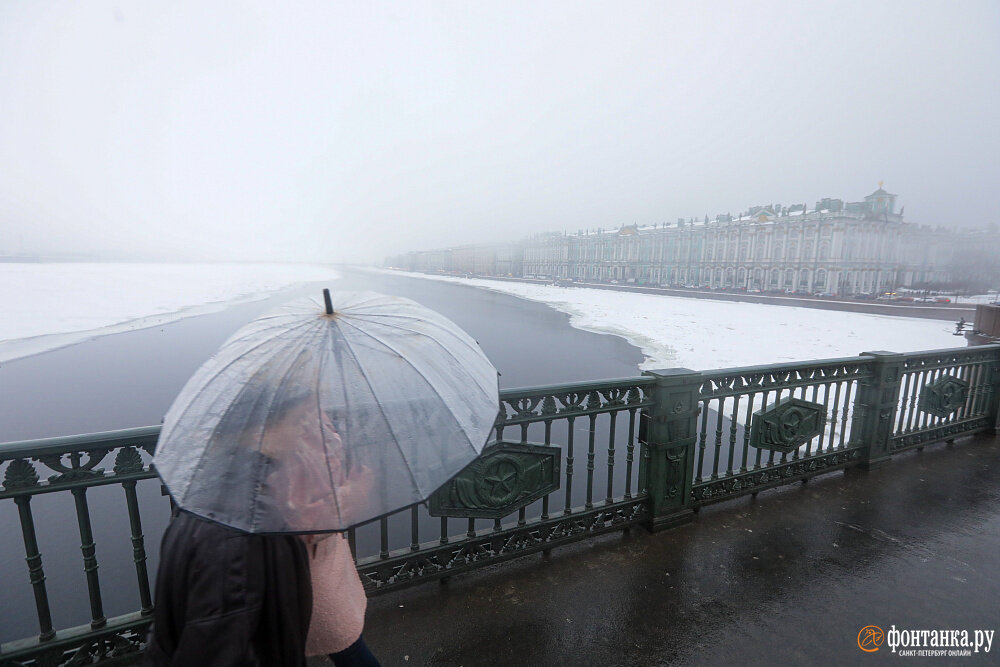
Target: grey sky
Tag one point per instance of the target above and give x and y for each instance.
(352, 130)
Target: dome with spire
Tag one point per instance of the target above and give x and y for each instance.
(880, 202)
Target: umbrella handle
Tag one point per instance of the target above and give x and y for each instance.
(329, 303)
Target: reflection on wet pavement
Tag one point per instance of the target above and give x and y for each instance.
(790, 576)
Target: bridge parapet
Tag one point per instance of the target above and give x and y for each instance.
(568, 462)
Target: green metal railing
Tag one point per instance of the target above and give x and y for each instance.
(567, 462)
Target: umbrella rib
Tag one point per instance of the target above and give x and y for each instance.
(204, 386)
(198, 469)
(428, 335)
(274, 398)
(388, 423)
(433, 388)
(409, 317)
(201, 389)
(319, 409)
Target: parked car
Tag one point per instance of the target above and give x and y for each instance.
(942, 299)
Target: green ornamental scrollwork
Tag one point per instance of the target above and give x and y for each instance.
(572, 401)
(20, 474)
(549, 406)
(77, 469)
(787, 425)
(944, 396)
(128, 461)
(505, 477)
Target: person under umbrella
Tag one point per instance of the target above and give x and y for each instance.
(306, 422)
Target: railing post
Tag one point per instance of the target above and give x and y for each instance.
(875, 408)
(667, 433)
(993, 412)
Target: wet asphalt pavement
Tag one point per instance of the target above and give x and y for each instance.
(790, 577)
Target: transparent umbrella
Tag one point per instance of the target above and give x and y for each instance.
(319, 416)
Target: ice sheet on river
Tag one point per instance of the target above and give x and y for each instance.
(704, 334)
(46, 306)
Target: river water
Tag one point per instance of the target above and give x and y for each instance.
(129, 379)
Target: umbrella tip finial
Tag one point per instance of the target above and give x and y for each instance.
(329, 303)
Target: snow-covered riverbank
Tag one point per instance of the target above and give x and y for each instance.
(46, 306)
(705, 334)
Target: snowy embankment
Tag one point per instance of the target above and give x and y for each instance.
(707, 334)
(46, 306)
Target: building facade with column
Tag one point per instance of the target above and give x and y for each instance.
(836, 247)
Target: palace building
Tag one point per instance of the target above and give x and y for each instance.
(836, 247)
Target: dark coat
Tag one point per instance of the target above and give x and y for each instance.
(225, 597)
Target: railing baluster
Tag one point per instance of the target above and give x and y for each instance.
(917, 386)
(802, 396)
(770, 454)
(548, 441)
(569, 465)
(629, 449)
(89, 550)
(980, 398)
(933, 420)
(383, 525)
(819, 443)
(830, 412)
(960, 371)
(978, 373)
(611, 456)
(978, 395)
(414, 529)
(733, 423)
(926, 419)
(590, 461)
(904, 403)
(747, 424)
(763, 406)
(138, 547)
(849, 397)
(718, 438)
(701, 440)
(36, 575)
(972, 377)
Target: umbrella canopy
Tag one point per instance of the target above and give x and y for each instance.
(313, 421)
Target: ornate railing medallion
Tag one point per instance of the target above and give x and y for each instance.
(944, 396)
(787, 425)
(505, 477)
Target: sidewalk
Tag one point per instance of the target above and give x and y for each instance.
(787, 578)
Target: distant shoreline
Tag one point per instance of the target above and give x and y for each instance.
(950, 312)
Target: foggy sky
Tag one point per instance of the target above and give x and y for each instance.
(346, 131)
